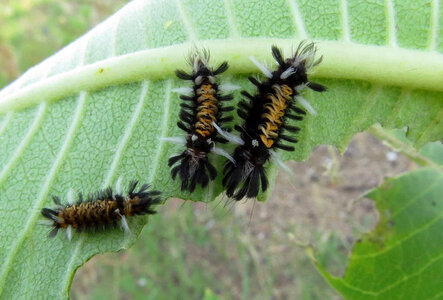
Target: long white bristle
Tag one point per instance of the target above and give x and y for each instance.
(301, 87)
(69, 232)
(118, 186)
(71, 196)
(230, 137)
(198, 80)
(276, 158)
(195, 62)
(175, 140)
(306, 105)
(308, 58)
(45, 223)
(125, 226)
(289, 71)
(227, 87)
(184, 90)
(262, 68)
(222, 152)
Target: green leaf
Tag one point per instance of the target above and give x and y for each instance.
(95, 110)
(402, 257)
(434, 151)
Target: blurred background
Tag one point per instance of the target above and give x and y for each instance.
(246, 250)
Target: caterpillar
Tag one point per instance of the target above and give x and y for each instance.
(101, 210)
(265, 117)
(201, 108)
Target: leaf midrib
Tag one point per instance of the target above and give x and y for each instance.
(384, 65)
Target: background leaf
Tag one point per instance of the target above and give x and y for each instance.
(88, 138)
(430, 155)
(402, 257)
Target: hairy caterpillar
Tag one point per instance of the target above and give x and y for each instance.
(265, 117)
(101, 210)
(201, 108)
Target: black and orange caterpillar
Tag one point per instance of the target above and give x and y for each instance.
(265, 114)
(200, 110)
(101, 210)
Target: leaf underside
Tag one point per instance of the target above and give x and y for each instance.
(87, 140)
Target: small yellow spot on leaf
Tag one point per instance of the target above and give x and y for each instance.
(167, 24)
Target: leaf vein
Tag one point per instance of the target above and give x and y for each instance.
(164, 129)
(437, 296)
(402, 100)
(43, 192)
(407, 277)
(427, 265)
(435, 123)
(345, 21)
(297, 19)
(435, 5)
(127, 134)
(402, 147)
(192, 36)
(6, 122)
(400, 241)
(411, 68)
(231, 20)
(390, 14)
(24, 143)
(362, 115)
(70, 266)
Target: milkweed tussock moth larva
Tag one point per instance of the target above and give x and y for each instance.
(200, 110)
(101, 210)
(265, 117)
